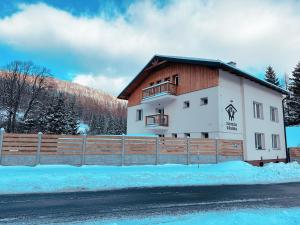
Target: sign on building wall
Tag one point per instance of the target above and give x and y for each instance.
(231, 123)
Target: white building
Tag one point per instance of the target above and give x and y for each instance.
(190, 97)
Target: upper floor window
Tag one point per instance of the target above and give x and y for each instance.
(274, 114)
(167, 79)
(186, 104)
(258, 110)
(152, 83)
(174, 135)
(259, 141)
(275, 141)
(139, 114)
(175, 79)
(204, 101)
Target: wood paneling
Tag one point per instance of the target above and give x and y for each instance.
(191, 78)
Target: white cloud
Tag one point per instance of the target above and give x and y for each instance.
(111, 85)
(252, 33)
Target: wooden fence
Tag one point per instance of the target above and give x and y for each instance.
(294, 152)
(39, 145)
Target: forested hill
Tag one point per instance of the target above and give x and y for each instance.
(31, 103)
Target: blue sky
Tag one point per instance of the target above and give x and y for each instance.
(103, 44)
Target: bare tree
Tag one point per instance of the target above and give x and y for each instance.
(21, 79)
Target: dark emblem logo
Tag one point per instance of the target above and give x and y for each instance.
(231, 111)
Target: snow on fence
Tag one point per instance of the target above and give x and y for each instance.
(32, 149)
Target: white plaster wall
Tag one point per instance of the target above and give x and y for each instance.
(243, 92)
(230, 93)
(193, 120)
(268, 97)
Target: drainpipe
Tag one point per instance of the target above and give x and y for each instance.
(288, 159)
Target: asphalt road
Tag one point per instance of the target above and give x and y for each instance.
(82, 206)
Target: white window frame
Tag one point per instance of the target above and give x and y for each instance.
(139, 115)
(275, 141)
(258, 110)
(256, 139)
(202, 101)
(275, 109)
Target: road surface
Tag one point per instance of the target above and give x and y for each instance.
(82, 206)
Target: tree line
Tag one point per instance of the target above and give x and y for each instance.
(30, 103)
(292, 84)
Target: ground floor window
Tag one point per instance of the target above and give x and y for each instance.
(187, 135)
(275, 141)
(204, 134)
(259, 141)
(139, 114)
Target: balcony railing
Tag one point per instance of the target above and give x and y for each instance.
(157, 120)
(162, 88)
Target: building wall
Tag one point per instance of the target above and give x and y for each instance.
(191, 78)
(194, 120)
(243, 93)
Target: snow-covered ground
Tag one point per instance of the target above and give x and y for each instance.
(275, 216)
(22, 179)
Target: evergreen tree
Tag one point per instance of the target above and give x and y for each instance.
(72, 120)
(29, 125)
(271, 76)
(54, 121)
(293, 103)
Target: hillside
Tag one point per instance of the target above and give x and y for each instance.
(101, 112)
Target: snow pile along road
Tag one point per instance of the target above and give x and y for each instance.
(236, 217)
(21, 179)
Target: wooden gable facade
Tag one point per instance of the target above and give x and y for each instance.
(191, 77)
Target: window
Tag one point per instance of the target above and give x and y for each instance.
(174, 135)
(274, 114)
(167, 79)
(186, 104)
(203, 101)
(139, 114)
(187, 135)
(152, 83)
(161, 135)
(158, 82)
(204, 135)
(175, 79)
(275, 141)
(258, 110)
(259, 141)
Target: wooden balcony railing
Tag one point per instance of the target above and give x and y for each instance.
(157, 120)
(155, 90)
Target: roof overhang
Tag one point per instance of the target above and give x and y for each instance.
(159, 61)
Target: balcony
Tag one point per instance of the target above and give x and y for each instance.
(164, 91)
(157, 121)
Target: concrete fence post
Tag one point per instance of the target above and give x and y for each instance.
(123, 150)
(157, 151)
(1, 143)
(217, 149)
(187, 150)
(83, 149)
(38, 150)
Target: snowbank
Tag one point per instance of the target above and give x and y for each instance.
(22, 179)
(236, 217)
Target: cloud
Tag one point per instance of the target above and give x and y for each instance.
(252, 33)
(111, 85)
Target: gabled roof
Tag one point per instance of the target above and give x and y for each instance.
(159, 61)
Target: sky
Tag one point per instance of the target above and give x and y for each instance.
(105, 43)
